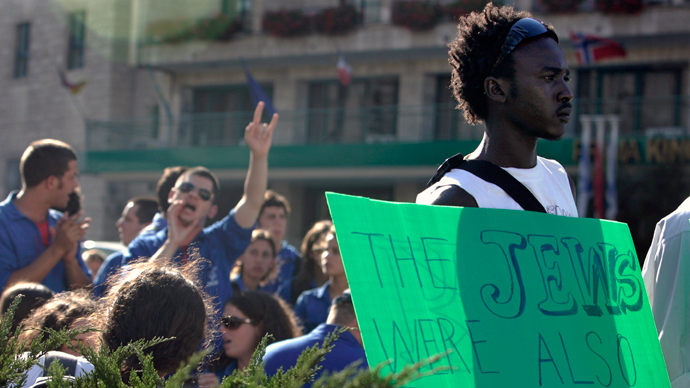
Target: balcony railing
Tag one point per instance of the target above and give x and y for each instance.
(313, 126)
(382, 124)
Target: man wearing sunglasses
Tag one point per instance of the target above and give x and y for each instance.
(193, 201)
(509, 73)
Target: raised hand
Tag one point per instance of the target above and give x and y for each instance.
(257, 135)
(179, 230)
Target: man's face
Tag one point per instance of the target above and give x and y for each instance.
(66, 184)
(539, 98)
(274, 219)
(128, 225)
(194, 207)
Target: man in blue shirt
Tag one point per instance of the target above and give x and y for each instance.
(136, 216)
(192, 202)
(273, 217)
(347, 349)
(38, 244)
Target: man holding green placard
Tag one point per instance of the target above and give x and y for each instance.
(510, 73)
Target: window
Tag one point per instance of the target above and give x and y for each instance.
(371, 11)
(644, 97)
(75, 43)
(221, 114)
(237, 9)
(367, 110)
(21, 51)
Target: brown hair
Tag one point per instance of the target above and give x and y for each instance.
(58, 313)
(310, 264)
(34, 295)
(273, 199)
(158, 300)
(271, 314)
(43, 159)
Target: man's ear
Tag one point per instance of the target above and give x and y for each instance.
(213, 211)
(51, 182)
(496, 89)
(171, 193)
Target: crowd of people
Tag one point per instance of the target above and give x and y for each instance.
(226, 285)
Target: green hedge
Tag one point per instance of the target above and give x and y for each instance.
(106, 373)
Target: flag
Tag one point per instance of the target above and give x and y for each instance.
(74, 88)
(256, 93)
(344, 71)
(584, 183)
(591, 48)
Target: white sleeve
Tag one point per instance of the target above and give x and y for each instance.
(666, 276)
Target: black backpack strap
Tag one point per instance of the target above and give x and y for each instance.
(68, 361)
(449, 164)
(502, 178)
(491, 173)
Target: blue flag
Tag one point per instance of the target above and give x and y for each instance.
(256, 93)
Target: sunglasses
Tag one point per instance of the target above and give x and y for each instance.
(232, 323)
(187, 187)
(521, 30)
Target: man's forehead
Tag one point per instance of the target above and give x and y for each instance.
(541, 53)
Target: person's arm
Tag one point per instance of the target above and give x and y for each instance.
(449, 195)
(258, 137)
(76, 277)
(68, 233)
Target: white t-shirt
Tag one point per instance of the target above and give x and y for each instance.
(83, 367)
(547, 181)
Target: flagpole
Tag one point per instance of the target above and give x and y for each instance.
(599, 184)
(611, 163)
(584, 183)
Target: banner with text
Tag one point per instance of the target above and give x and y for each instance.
(523, 299)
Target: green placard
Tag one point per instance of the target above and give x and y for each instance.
(523, 299)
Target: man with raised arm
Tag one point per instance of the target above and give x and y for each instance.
(38, 244)
(509, 73)
(193, 201)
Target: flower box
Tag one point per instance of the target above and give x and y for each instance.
(416, 15)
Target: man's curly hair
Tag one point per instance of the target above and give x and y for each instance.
(474, 52)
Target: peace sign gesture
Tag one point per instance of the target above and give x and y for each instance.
(259, 135)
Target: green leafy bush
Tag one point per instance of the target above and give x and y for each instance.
(107, 365)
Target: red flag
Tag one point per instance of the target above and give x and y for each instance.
(591, 48)
(344, 71)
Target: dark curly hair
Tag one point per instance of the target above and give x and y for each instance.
(274, 317)
(157, 300)
(474, 52)
(58, 313)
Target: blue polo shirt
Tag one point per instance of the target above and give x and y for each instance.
(108, 268)
(220, 244)
(312, 307)
(346, 350)
(288, 259)
(20, 245)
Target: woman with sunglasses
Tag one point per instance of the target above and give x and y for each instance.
(247, 318)
(257, 265)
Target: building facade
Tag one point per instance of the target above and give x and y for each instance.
(166, 85)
